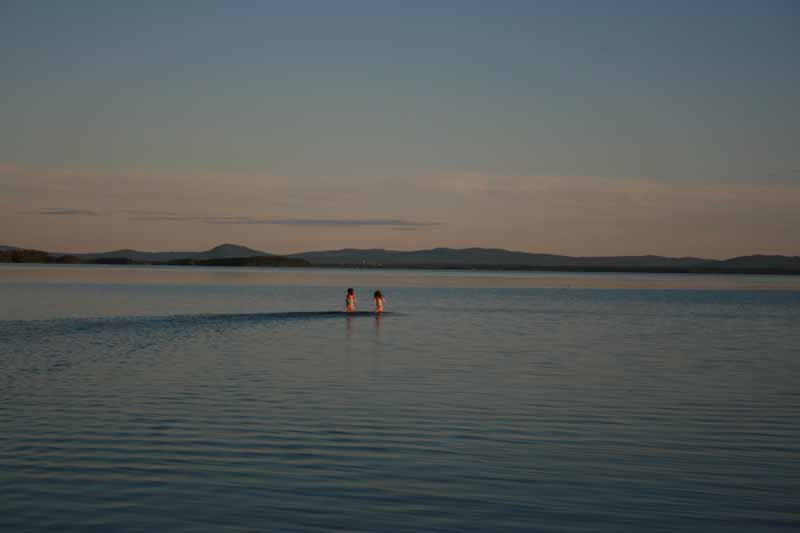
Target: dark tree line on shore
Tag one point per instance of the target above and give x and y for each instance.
(38, 256)
(35, 256)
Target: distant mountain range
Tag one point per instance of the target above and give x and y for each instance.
(487, 257)
(496, 258)
(223, 255)
(223, 251)
(466, 258)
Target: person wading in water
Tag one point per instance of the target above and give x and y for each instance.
(379, 302)
(350, 301)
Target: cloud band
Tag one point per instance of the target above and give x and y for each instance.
(391, 223)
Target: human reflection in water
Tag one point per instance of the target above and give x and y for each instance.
(349, 330)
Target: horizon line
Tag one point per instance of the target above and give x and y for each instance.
(409, 251)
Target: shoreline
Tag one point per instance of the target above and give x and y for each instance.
(756, 271)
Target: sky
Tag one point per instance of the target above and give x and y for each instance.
(606, 127)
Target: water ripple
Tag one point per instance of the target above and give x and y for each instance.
(562, 411)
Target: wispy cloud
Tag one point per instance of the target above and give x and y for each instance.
(62, 211)
(148, 213)
(389, 223)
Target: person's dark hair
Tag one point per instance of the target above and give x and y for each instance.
(349, 291)
(378, 294)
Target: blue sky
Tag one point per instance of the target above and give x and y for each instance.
(642, 115)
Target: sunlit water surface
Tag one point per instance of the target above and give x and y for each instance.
(147, 399)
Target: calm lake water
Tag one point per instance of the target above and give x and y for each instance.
(154, 399)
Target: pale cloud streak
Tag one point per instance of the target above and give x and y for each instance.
(62, 211)
(387, 223)
(576, 215)
(148, 213)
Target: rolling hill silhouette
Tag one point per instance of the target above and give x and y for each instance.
(465, 258)
(223, 251)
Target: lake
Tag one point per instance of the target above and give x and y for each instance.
(207, 399)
